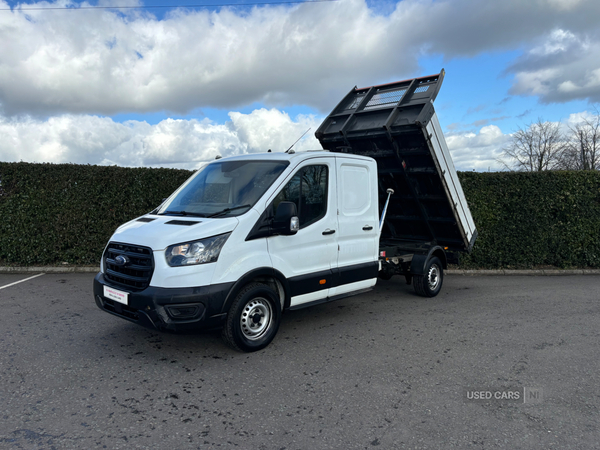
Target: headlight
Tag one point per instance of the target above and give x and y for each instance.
(196, 252)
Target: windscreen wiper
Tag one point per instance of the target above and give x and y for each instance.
(226, 210)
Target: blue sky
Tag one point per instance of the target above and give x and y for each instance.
(175, 86)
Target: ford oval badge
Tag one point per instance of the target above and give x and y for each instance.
(121, 260)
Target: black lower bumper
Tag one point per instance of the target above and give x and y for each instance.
(168, 309)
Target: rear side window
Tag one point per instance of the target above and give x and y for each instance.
(354, 198)
(308, 190)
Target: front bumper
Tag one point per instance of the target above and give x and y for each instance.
(168, 309)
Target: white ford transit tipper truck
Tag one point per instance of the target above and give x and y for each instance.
(250, 236)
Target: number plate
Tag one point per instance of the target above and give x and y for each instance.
(116, 295)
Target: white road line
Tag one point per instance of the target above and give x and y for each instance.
(21, 281)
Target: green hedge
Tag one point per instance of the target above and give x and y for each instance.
(527, 220)
(55, 213)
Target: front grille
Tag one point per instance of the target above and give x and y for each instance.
(136, 273)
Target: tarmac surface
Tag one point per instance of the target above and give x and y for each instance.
(385, 370)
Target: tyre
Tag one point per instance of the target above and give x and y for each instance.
(253, 319)
(429, 285)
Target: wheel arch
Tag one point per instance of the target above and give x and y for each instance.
(265, 275)
(419, 261)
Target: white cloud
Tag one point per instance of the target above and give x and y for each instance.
(478, 151)
(187, 143)
(564, 5)
(580, 117)
(536, 82)
(171, 143)
(273, 129)
(104, 62)
(558, 41)
(563, 67)
(71, 65)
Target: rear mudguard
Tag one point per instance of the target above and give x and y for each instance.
(419, 261)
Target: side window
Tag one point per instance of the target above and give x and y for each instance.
(308, 190)
(354, 189)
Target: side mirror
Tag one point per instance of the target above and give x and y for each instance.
(286, 220)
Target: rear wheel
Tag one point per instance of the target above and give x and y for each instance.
(253, 319)
(429, 284)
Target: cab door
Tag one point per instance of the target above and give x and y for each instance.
(358, 224)
(307, 258)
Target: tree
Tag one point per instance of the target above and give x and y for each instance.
(582, 149)
(535, 148)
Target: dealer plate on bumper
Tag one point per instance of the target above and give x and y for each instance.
(116, 295)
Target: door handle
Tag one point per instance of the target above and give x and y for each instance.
(326, 232)
(367, 228)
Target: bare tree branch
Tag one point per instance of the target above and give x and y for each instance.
(535, 148)
(582, 149)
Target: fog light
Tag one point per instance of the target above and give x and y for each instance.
(187, 311)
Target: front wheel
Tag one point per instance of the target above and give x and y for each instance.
(429, 285)
(253, 319)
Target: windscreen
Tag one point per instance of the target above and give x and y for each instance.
(224, 189)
